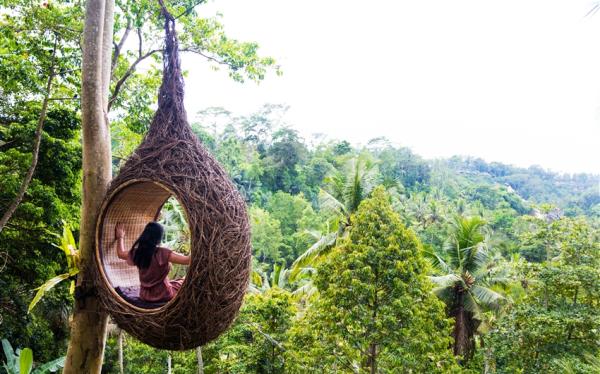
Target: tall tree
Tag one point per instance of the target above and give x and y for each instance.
(39, 139)
(88, 325)
(266, 235)
(557, 323)
(375, 311)
(345, 190)
(256, 342)
(297, 219)
(36, 57)
(464, 281)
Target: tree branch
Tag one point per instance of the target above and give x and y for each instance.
(189, 9)
(268, 337)
(36, 145)
(63, 98)
(211, 58)
(7, 145)
(118, 48)
(128, 73)
(140, 41)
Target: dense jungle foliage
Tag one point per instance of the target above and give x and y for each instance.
(367, 258)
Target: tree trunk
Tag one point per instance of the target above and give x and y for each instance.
(464, 344)
(373, 358)
(88, 324)
(169, 363)
(460, 332)
(200, 360)
(121, 366)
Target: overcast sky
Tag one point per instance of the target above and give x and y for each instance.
(515, 81)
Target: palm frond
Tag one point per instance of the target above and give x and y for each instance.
(306, 291)
(321, 247)
(592, 360)
(467, 231)
(280, 279)
(9, 352)
(353, 192)
(476, 257)
(275, 274)
(446, 280)
(471, 305)
(252, 289)
(304, 273)
(437, 262)
(357, 180)
(453, 254)
(487, 298)
(499, 282)
(329, 204)
(444, 293)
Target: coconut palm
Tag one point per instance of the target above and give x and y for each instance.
(464, 280)
(302, 288)
(345, 190)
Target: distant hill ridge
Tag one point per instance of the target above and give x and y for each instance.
(574, 193)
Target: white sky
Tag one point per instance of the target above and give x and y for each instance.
(515, 81)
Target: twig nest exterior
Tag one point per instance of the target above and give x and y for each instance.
(171, 161)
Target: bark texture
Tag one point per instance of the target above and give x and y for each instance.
(464, 329)
(88, 324)
(121, 366)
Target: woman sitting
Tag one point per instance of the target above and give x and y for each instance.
(153, 262)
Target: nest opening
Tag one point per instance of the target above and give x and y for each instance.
(134, 205)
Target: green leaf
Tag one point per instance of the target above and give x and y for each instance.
(446, 280)
(486, 297)
(275, 275)
(25, 361)
(9, 353)
(305, 291)
(256, 278)
(444, 293)
(321, 247)
(50, 283)
(437, 262)
(51, 367)
(329, 204)
(470, 304)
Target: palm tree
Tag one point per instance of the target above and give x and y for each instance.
(302, 287)
(464, 280)
(345, 190)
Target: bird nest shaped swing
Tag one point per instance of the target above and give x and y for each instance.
(170, 161)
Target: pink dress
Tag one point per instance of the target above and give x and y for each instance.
(155, 285)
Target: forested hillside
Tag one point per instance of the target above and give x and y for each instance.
(366, 257)
(533, 230)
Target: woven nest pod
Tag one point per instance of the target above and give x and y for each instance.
(170, 161)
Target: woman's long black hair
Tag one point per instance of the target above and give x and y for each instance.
(145, 247)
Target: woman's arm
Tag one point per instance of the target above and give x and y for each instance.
(178, 258)
(120, 234)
